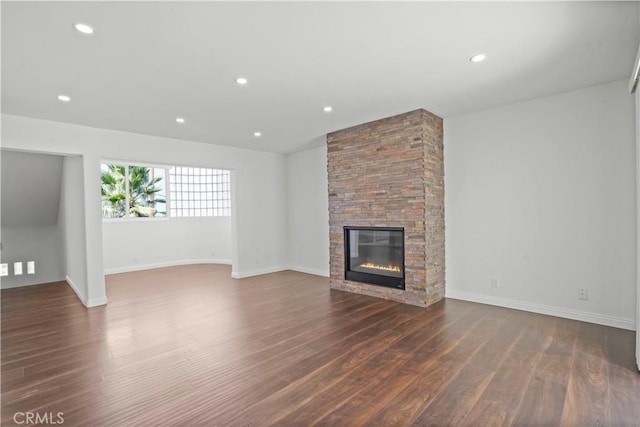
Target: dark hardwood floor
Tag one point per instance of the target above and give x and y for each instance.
(190, 346)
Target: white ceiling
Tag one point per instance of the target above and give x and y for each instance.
(150, 62)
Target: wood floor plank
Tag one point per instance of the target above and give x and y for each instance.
(190, 346)
(544, 397)
(455, 401)
(398, 358)
(587, 397)
(501, 398)
(434, 367)
(380, 391)
(316, 375)
(624, 387)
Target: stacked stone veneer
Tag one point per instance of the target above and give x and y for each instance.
(390, 173)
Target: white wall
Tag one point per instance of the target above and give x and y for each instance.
(71, 221)
(165, 241)
(42, 244)
(637, 117)
(30, 192)
(258, 185)
(542, 195)
(30, 189)
(308, 211)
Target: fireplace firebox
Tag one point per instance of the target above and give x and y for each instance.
(374, 255)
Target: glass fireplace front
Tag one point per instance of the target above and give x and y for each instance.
(375, 255)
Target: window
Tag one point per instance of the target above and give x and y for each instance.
(200, 192)
(137, 191)
(133, 191)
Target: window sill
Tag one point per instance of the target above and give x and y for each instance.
(135, 219)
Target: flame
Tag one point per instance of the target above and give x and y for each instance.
(393, 268)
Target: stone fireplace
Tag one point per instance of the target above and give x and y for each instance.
(384, 176)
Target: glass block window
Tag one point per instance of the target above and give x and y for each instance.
(199, 192)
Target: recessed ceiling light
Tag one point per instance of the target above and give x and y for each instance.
(257, 134)
(478, 58)
(242, 81)
(64, 98)
(328, 109)
(180, 120)
(83, 28)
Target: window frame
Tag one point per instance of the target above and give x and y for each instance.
(126, 165)
(168, 190)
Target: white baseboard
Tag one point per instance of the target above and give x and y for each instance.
(314, 271)
(75, 289)
(567, 313)
(91, 302)
(94, 302)
(140, 267)
(245, 274)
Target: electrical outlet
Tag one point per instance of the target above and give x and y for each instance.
(4, 269)
(31, 267)
(495, 282)
(17, 268)
(583, 294)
